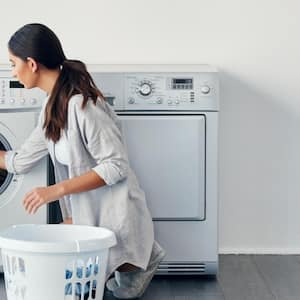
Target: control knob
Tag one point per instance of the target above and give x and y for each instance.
(131, 101)
(145, 88)
(205, 89)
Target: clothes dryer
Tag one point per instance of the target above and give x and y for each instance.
(19, 111)
(169, 115)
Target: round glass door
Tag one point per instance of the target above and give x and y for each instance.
(5, 177)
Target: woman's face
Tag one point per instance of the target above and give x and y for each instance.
(23, 71)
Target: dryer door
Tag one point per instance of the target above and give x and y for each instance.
(9, 183)
(167, 153)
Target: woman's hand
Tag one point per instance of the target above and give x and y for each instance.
(40, 196)
(2, 160)
(43, 195)
(67, 221)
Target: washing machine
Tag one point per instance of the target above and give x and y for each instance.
(169, 115)
(19, 111)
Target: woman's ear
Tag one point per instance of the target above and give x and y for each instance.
(33, 65)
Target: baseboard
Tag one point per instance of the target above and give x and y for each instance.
(272, 251)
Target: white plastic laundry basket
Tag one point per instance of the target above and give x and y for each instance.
(55, 262)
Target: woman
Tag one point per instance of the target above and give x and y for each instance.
(82, 134)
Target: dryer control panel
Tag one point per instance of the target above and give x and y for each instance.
(171, 91)
(13, 95)
(166, 87)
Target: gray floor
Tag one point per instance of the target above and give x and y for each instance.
(241, 277)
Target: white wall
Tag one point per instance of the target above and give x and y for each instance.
(256, 46)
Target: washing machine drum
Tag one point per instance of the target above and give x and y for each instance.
(5, 177)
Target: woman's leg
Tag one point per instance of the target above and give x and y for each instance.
(127, 268)
(133, 284)
(114, 281)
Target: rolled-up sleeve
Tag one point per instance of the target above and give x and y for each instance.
(9, 161)
(33, 150)
(97, 127)
(111, 157)
(104, 142)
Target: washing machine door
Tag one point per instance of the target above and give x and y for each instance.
(9, 183)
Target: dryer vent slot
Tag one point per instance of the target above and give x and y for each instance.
(184, 268)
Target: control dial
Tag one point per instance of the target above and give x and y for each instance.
(205, 89)
(145, 88)
(131, 101)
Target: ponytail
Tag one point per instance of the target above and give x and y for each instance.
(41, 43)
(73, 79)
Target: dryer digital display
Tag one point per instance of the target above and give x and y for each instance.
(182, 83)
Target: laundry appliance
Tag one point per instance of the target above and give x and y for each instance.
(19, 111)
(169, 116)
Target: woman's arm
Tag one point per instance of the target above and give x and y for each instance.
(32, 150)
(88, 181)
(104, 141)
(43, 195)
(2, 160)
(104, 145)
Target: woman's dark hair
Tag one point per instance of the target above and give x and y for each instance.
(40, 43)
